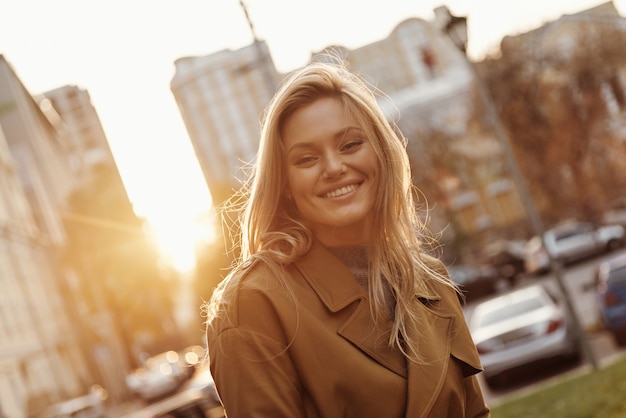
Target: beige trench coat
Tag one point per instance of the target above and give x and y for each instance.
(325, 357)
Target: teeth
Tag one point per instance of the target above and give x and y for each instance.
(342, 191)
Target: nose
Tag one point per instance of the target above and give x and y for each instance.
(334, 165)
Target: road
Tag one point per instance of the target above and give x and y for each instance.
(578, 280)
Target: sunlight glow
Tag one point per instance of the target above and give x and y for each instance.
(177, 239)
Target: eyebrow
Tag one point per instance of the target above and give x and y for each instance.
(338, 135)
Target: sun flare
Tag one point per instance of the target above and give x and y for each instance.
(177, 238)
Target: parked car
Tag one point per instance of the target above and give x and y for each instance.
(476, 281)
(196, 398)
(610, 283)
(87, 406)
(507, 256)
(521, 328)
(571, 242)
(160, 375)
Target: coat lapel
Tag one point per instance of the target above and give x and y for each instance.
(338, 289)
(426, 379)
(340, 292)
(373, 338)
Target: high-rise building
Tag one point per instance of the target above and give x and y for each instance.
(221, 98)
(58, 332)
(69, 109)
(41, 355)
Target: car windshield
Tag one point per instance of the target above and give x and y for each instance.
(509, 311)
(572, 230)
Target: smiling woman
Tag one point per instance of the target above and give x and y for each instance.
(331, 252)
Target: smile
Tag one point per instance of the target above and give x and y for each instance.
(343, 191)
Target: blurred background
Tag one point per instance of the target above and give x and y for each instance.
(125, 125)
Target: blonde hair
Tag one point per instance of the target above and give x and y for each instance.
(272, 232)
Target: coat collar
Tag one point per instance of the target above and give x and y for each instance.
(337, 289)
(329, 277)
(333, 282)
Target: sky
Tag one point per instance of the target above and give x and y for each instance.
(123, 52)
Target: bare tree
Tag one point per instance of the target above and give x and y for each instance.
(557, 105)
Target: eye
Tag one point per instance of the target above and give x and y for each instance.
(351, 145)
(304, 160)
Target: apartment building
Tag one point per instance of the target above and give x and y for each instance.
(41, 358)
(69, 109)
(221, 97)
(57, 335)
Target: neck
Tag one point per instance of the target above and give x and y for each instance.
(341, 238)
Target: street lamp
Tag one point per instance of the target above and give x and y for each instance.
(455, 27)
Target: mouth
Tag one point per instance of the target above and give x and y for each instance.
(341, 191)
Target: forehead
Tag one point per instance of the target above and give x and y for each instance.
(321, 119)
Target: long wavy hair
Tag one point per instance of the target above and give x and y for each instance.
(272, 230)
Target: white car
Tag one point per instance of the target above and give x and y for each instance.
(160, 375)
(570, 242)
(521, 328)
(197, 397)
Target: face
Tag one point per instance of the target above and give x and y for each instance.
(332, 172)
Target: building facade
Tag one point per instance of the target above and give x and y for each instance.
(53, 346)
(221, 97)
(70, 111)
(41, 358)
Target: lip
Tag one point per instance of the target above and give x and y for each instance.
(354, 185)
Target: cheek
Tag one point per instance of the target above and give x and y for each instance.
(374, 169)
(302, 180)
(292, 181)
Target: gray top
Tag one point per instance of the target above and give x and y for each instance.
(356, 258)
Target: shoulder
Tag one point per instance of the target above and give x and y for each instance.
(435, 265)
(448, 302)
(438, 285)
(434, 274)
(251, 291)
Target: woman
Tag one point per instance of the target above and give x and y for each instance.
(336, 310)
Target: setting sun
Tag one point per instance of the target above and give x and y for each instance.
(177, 238)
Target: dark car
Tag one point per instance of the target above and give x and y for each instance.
(476, 281)
(507, 256)
(610, 282)
(196, 398)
